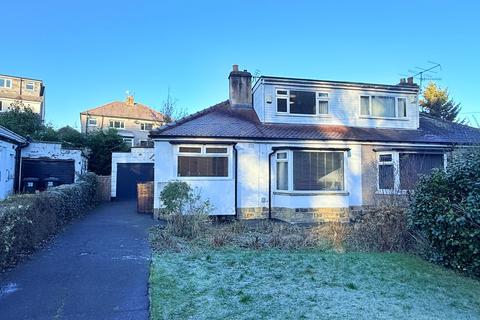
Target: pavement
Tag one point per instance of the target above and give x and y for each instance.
(97, 268)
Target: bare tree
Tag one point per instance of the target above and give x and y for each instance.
(171, 110)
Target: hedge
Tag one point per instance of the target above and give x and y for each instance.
(26, 220)
(446, 211)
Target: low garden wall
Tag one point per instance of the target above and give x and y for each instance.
(26, 220)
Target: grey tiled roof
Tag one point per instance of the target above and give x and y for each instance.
(221, 121)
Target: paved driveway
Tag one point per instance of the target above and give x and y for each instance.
(96, 269)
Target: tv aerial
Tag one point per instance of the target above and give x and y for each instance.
(428, 73)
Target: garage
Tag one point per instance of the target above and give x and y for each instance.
(41, 169)
(128, 175)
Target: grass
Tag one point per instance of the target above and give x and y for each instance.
(306, 284)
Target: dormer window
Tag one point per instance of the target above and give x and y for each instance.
(383, 106)
(299, 102)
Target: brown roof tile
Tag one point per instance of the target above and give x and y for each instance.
(121, 109)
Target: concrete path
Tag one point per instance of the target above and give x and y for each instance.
(97, 268)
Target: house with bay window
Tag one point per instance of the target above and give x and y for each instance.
(303, 150)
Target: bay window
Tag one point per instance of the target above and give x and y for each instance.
(383, 106)
(310, 171)
(300, 102)
(202, 161)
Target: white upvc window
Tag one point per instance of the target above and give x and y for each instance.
(117, 124)
(399, 171)
(128, 141)
(210, 162)
(145, 126)
(377, 106)
(302, 102)
(310, 171)
(5, 83)
(92, 122)
(30, 85)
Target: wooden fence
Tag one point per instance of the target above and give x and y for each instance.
(104, 188)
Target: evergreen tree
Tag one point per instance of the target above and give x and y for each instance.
(437, 103)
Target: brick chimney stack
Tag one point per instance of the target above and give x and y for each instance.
(240, 88)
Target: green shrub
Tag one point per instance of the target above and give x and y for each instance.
(380, 228)
(179, 198)
(445, 210)
(26, 220)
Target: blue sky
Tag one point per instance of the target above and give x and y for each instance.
(91, 52)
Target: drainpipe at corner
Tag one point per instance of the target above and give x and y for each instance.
(270, 184)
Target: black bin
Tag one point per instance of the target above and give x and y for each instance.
(50, 182)
(30, 185)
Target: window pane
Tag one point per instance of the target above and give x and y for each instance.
(365, 106)
(322, 94)
(2, 82)
(190, 149)
(282, 175)
(202, 166)
(385, 176)
(413, 165)
(281, 92)
(216, 150)
(323, 107)
(282, 155)
(302, 102)
(385, 157)
(402, 107)
(321, 171)
(282, 105)
(383, 106)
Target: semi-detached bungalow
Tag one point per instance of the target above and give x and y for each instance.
(304, 150)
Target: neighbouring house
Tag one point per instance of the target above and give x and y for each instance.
(37, 165)
(22, 92)
(304, 150)
(133, 120)
(10, 146)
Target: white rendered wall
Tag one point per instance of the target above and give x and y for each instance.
(7, 169)
(344, 108)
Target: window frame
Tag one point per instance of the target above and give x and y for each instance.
(396, 170)
(122, 122)
(370, 116)
(203, 153)
(32, 83)
(143, 124)
(290, 189)
(318, 99)
(90, 124)
(131, 139)
(5, 80)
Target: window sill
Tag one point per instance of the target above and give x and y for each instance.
(284, 114)
(313, 193)
(387, 192)
(384, 118)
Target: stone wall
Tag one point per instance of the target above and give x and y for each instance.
(252, 213)
(312, 215)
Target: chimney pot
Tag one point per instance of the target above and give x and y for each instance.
(130, 101)
(403, 81)
(410, 80)
(235, 67)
